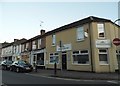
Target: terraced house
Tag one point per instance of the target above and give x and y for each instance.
(84, 45)
(38, 50)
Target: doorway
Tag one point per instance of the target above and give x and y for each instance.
(64, 61)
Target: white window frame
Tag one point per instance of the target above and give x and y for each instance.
(117, 53)
(101, 29)
(53, 56)
(39, 43)
(104, 53)
(53, 40)
(73, 62)
(34, 45)
(80, 33)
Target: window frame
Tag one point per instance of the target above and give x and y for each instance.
(76, 63)
(103, 53)
(39, 43)
(80, 30)
(53, 40)
(53, 55)
(117, 55)
(98, 29)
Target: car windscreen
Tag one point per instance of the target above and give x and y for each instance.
(21, 63)
(9, 62)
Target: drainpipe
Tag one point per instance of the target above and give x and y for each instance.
(90, 48)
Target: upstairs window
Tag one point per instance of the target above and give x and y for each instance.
(53, 39)
(33, 45)
(101, 31)
(80, 33)
(39, 43)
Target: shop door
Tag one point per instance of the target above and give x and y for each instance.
(64, 61)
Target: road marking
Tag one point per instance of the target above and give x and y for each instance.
(114, 82)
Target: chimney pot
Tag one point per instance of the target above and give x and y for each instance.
(42, 32)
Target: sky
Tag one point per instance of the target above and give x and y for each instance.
(25, 19)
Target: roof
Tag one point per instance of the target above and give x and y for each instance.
(69, 26)
(78, 23)
(14, 43)
(20, 41)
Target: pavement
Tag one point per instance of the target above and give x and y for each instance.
(77, 74)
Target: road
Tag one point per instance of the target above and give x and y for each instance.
(14, 78)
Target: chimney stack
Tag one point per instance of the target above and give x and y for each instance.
(16, 40)
(42, 32)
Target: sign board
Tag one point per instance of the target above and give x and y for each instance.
(65, 47)
(103, 43)
(116, 41)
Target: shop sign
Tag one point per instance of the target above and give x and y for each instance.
(103, 43)
(65, 47)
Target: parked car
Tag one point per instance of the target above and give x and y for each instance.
(21, 66)
(6, 64)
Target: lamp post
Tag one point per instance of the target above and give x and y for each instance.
(118, 40)
(60, 54)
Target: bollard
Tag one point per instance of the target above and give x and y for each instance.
(35, 68)
(55, 68)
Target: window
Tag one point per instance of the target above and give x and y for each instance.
(27, 46)
(80, 34)
(39, 43)
(81, 57)
(33, 45)
(54, 57)
(22, 47)
(103, 56)
(101, 32)
(118, 55)
(53, 39)
(40, 59)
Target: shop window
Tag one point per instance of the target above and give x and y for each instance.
(101, 32)
(80, 34)
(81, 57)
(54, 57)
(40, 59)
(103, 56)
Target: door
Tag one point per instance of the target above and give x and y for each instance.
(64, 61)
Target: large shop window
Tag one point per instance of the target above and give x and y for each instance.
(81, 57)
(54, 57)
(40, 59)
(103, 56)
(53, 39)
(101, 32)
(80, 33)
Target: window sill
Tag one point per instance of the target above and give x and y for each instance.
(53, 63)
(80, 64)
(101, 38)
(103, 64)
(79, 40)
(53, 45)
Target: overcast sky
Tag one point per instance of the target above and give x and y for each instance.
(22, 19)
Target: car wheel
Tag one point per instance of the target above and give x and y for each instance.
(17, 70)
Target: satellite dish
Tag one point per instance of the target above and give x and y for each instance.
(86, 34)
